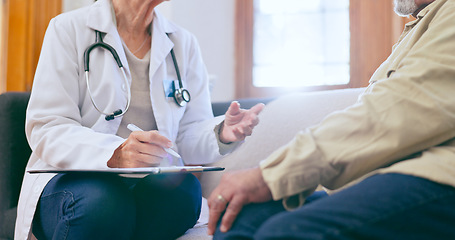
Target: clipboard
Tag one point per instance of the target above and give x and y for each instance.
(149, 170)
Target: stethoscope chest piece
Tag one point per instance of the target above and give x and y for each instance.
(181, 96)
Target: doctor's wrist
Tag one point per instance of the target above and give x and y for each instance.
(221, 136)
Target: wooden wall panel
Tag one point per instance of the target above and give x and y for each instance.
(27, 21)
(244, 22)
(374, 30)
(3, 17)
(16, 51)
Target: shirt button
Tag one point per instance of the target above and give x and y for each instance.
(123, 87)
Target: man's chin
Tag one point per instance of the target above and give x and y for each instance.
(404, 8)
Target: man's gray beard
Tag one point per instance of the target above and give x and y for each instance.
(405, 8)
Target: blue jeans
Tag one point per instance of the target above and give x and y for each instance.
(107, 206)
(387, 206)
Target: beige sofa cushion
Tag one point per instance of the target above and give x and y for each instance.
(279, 122)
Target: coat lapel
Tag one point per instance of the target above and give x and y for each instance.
(161, 44)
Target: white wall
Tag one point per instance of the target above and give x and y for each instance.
(212, 22)
(73, 4)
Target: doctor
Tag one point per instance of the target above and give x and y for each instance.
(66, 131)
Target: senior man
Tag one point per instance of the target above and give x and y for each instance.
(391, 156)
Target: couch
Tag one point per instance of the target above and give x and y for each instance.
(280, 120)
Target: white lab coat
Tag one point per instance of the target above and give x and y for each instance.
(65, 130)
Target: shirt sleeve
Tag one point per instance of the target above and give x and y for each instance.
(410, 110)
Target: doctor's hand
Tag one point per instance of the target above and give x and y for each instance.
(141, 149)
(235, 190)
(239, 123)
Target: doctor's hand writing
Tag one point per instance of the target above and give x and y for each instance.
(239, 123)
(141, 149)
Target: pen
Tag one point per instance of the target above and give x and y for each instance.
(133, 127)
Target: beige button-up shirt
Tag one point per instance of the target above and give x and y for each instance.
(403, 123)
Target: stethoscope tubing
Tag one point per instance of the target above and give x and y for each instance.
(181, 95)
(128, 101)
(99, 43)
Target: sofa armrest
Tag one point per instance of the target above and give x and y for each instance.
(14, 154)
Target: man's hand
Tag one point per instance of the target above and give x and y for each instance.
(235, 190)
(141, 149)
(239, 123)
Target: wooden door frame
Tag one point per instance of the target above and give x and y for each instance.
(3, 31)
(25, 22)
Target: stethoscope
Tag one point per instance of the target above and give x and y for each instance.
(180, 95)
